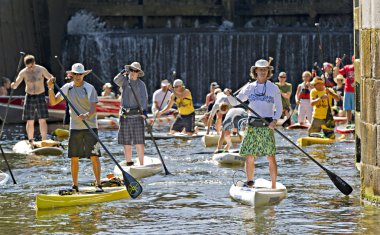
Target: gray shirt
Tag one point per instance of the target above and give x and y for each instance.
(127, 98)
(81, 97)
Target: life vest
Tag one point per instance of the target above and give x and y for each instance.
(305, 92)
(185, 105)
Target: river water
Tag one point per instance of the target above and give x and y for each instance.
(195, 198)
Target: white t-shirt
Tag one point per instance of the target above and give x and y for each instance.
(158, 96)
(264, 99)
(220, 97)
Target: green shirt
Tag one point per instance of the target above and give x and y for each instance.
(285, 89)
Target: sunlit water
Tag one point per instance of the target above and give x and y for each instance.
(195, 198)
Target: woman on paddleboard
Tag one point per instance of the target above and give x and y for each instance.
(82, 144)
(264, 98)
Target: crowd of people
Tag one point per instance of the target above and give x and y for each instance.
(261, 103)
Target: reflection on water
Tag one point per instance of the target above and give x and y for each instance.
(194, 199)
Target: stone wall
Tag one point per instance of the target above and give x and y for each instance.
(367, 76)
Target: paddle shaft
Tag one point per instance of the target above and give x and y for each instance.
(338, 182)
(10, 95)
(149, 130)
(101, 143)
(6, 162)
(320, 44)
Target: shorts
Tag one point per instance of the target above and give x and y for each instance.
(33, 104)
(348, 102)
(83, 144)
(258, 141)
(131, 130)
(184, 121)
(316, 125)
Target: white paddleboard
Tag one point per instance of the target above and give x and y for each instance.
(261, 195)
(228, 158)
(151, 167)
(23, 147)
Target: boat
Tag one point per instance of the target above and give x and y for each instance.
(4, 178)
(151, 167)
(104, 108)
(298, 126)
(86, 196)
(231, 158)
(306, 141)
(212, 140)
(45, 147)
(345, 129)
(260, 195)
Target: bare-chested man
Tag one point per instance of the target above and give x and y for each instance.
(34, 76)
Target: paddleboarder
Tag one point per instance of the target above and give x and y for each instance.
(264, 98)
(305, 110)
(34, 76)
(82, 144)
(131, 131)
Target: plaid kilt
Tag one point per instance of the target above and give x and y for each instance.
(33, 104)
(131, 130)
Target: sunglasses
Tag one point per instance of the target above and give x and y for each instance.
(177, 86)
(77, 73)
(282, 77)
(134, 71)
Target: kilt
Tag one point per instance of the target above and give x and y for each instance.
(131, 130)
(33, 104)
(258, 141)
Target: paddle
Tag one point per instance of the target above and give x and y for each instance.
(149, 130)
(174, 74)
(344, 187)
(133, 187)
(6, 162)
(10, 95)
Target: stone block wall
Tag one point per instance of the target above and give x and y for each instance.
(367, 75)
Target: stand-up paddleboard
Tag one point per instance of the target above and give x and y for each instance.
(177, 135)
(86, 195)
(61, 133)
(231, 158)
(306, 141)
(345, 129)
(298, 126)
(212, 140)
(151, 167)
(45, 147)
(261, 194)
(4, 178)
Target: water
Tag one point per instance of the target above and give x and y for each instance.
(194, 199)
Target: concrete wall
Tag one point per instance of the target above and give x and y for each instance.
(367, 76)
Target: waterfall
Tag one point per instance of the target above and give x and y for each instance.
(203, 56)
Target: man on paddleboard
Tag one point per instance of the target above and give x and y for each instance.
(34, 76)
(264, 98)
(184, 101)
(82, 144)
(131, 131)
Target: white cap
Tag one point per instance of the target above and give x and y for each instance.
(177, 82)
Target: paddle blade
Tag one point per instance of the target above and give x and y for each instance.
(132, 185)
(344, 187)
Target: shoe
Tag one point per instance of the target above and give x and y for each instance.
(75, 188)
(98, 189)
(130, 163)
(249, 184)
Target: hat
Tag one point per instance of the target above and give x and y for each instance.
(214, 85)
(107, 84)
(326, 64)
(137, 66)
(165, 83)
(282, 74)
(340, 76)
(78, 68)
(317, 80)
(262, 64)
(177, 82)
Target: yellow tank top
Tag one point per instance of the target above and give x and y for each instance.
(185, 105)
